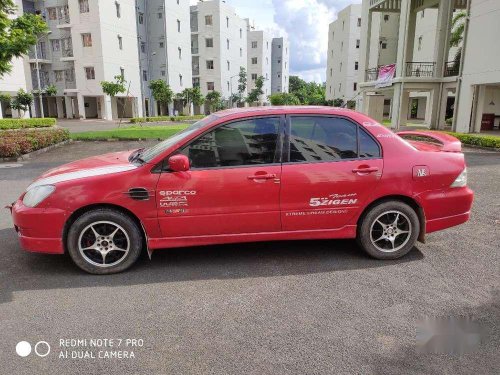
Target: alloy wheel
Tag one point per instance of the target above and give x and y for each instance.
(390, 231)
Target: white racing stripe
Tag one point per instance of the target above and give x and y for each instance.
(100, 171)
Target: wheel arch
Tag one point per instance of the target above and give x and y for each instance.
(401, 198)
(79, 212)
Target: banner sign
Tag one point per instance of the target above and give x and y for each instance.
(385, 75)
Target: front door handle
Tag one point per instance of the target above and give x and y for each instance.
(262, 176)
(365, 170)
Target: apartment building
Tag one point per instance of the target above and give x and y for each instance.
(89, 41)
(164, 47)
(218, 46)
(15, 80)
(343, 55)
(280, 69)
(259, 61)
(425, 81)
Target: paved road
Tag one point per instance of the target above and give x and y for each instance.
(317, 307)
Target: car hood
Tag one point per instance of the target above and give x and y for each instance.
(115, 162)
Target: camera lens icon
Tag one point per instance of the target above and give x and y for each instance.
(42, 348)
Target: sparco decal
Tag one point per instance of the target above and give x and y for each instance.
(334, 200)
(175, 198)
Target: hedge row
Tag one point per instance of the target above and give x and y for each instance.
(14, 143)
(136, 120)
(25, 123)
(477, 140)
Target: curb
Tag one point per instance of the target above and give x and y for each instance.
(117, 139)
(34, 153)
(492, 149)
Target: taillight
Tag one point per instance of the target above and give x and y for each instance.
(461, 180)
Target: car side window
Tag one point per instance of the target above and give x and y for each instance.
(247, 142)
(317, 138)
(368, 148)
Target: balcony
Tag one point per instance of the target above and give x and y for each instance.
(44, 80)
(420, 69)
(451, 69)
(40, 54)
(194, 50)
(371, 74)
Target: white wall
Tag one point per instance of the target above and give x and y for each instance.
(263, 53)
(280, 69)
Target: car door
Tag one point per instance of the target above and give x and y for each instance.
(330, 167)
(233, 183)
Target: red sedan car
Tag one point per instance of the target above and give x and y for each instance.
(244, 175)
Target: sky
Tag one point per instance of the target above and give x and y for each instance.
(305, 22)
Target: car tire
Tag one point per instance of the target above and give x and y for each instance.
(104, 241)
(388, 230)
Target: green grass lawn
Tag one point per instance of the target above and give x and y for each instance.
(130, 133)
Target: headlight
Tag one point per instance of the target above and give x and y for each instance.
(37, 194)
(461, 180)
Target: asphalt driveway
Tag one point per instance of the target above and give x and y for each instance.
(319, 307)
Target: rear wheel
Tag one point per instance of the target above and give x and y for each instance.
(389, 230)
(104, 241)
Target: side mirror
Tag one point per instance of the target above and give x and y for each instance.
(178, 163)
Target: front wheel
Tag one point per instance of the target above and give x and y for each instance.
(104, 241)
(389, 230)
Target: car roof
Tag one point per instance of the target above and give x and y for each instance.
(282, 110)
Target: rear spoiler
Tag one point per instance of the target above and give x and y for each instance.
(447, 142)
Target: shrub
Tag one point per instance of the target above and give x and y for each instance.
(477, 140)
(25, 123)
(18, 142)
(136, 120)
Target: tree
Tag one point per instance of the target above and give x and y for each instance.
(213, 100)
(256, 92)
(457, 36)
(242, 85)
(283, 98)
(161, 91)
(21, 102)
(338, 102)
(17, 35)
(51, 90)
(197, 97)
(310, 93)
(114, 88)
(191, 95)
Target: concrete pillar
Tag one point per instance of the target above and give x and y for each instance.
(442, 111)
(107, 108)
(428, 110)
(463, 113)
(481, 98)
(400, 103)
(434, 103)
(442, 42)
(410, 39)
(69, 106)
(374, 106)
(60, 107)
(404, 20)
(365, 64)
(171, 109)
(81, 106)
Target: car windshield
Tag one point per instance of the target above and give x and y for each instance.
(150, 153)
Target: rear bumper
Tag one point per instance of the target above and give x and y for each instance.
(446, 222)
(39, 229)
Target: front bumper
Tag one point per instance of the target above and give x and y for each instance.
(39, 229)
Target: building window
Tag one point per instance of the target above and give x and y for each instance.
(180, 79)
(179, 50)
(341, 46)
(196, 82)
(210, 86)
(228, 65)
(343, 24)
(143, 47)
(420, 42)
(254, 44)
(52, 13)
(55, 45)
(340, 87)
(241, 33)
(279, 46)
(160, 15)
(359, 22)
(227, 85)
(227, 22)
(384, 45)
(90, 72)
(340, 66)
(120, 42)
(279, 61)
(209, 42)
(162, 44)
(178, 26)
(141, 18)
(267, 61)
(118, 10)
(87, 40)
(355, 86)
(227, 43)
(423, 13)
(84, 6)
(210, 64)
(122, 73)
(356, 65)
(254, 60)
(331, 72)
(241, 52)
(163, 72)
(208, 20)
(254, 76)
(144, 75)
(357, 43)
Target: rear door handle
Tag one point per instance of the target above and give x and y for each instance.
(262, 176)
(365, 170)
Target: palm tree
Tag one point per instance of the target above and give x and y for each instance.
(457, 35)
